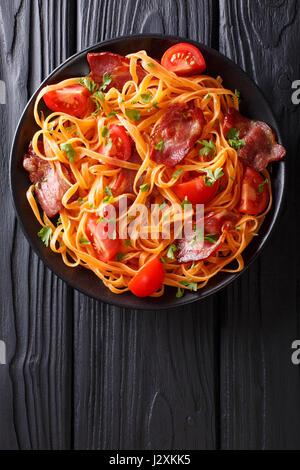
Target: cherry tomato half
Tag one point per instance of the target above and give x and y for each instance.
(148, 279)
(196, 191)
(105, 248)
(71, 100)
(254, 193)
(117, 144)
(183, 59)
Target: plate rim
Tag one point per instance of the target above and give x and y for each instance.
(146, 304)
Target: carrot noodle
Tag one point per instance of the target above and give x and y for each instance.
(92, 172)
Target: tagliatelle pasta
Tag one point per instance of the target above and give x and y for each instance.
(75, 143)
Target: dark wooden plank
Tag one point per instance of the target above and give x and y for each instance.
(35, 320)
(260, 401)
(142, 379)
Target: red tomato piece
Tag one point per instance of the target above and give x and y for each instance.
(196, 191)
(148, 279)
(183, 59)
(71, 100)
(120, 144)
(105, 248)
(254, 193)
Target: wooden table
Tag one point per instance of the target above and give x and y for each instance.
(215, 374)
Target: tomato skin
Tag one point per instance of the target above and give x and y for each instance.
(121, 146)
(71, 100)
(196, 191)
(252, 201)
(190, 60)
(148, 279)
(105, 248)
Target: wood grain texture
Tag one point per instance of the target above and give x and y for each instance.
(260, 402)
(36, 308)
(142, 379)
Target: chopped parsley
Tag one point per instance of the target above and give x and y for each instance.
(106, 80)
(80, 200)
(162, 259)
(37, 185)
(101, 218)
(262, 185)
(120, 256)
(171, 251)
(128, 243)
(238, 227)
(180, 293)
(112, 114)
(133, 114)
(154, 104)
(99, 108)
(68, 129)
(87, 83)
(83, 241)
(108, 199)
(206, 97)
(146, 97)
(144, 188)
(59, 221)
(107, 191)
(190, 285)
(150, 64)
(212, 237)
(160, 145)
(105, 132)
(184, 203)
(177, 174)
(99, 94)
(70, 151)
(238, 95)
(233, 139)
(208, 147)
(211, 177)
(45, 234)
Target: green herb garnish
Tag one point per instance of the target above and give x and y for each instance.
(180, 293)
(190, 285)
(70, 151)
(45, 234)
(87, 83)
(171, 251)
(262, 185)
(121, 256)
(212, 238)
(208, 147)
(83, 241)
(146, 97)
(160, 145)
(177, 174)
(211, 177)
(144, 188)
(133, 114)
(233, 139)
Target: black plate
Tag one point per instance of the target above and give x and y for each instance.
(253, 105)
